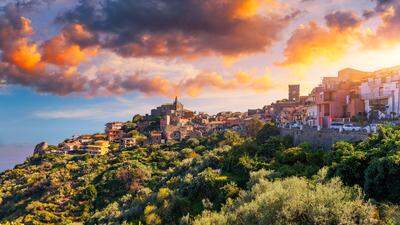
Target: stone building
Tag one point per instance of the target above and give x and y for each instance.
(114, 131)
(156, 137)
(128, 142)
(70, 145)
(99, 147)
(177, 133)
(168, 109)
(294, 93)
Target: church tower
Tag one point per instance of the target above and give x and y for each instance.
(177, 105)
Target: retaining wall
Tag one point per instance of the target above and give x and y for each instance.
(322, 139)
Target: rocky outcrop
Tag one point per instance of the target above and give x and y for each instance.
(41, 148)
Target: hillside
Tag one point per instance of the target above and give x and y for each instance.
(221, 179)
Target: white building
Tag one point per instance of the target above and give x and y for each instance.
(312, 115)
(382, 93)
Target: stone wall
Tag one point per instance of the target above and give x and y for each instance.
(323, 139)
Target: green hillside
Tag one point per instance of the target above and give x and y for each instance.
(222, 179)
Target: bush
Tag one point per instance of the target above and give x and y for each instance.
(294, 201)
(192, 142)
(381, 179)
(291, 156)
(269, 130)
(350, 168)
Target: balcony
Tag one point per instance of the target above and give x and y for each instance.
(377, 95)
(327, 96)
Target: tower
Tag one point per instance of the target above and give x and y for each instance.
(294, 93)
(177, 105)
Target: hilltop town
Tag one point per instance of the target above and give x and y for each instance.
(351, 100)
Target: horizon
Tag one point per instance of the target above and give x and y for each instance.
(68, 67)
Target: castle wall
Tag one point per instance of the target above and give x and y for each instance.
(323, 139)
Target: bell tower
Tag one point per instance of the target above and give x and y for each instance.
(294, 93)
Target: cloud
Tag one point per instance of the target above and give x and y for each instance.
(57, 66)
(118, 84)
(241, 80)
(71, 47)
(170, 28)
(387, 33)
(314, 43)
(67, 114)
(343, 20)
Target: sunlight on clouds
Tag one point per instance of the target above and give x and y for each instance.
(312, 44)
(25, 55)
(372, 59)
(247, 8)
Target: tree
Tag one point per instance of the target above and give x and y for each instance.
(193, 142)
(291, 156)
(253, 127)
(89, 193)
(350, 168)
(129, 126)
(275, 144)
(381, 181)
(340, 149)
(269, 130)
(232, 138)
(294, 201)
(137, 118)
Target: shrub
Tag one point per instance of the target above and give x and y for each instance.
(268, 130)
(381, 179)
(294, 201)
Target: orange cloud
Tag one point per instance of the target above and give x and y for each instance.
(77, 32)
(16, 47)
(24, 55)
(58, 51)
(52, 67)
(240, 81)
(189, 29)
(22, 61)
(246, 8)
(64, 50)
(312, 43)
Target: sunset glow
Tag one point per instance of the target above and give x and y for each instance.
(202, 51)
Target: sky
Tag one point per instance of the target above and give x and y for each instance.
(67, 66)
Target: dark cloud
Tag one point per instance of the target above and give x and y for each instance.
(343, 20)
(51, 66)
(387, 33)
(180, 27)
(11, 25)
(383, 5)
(42, 81)
(367, 14)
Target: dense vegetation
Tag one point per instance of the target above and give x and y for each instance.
(222, 179)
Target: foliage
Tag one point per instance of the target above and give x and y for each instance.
(211, 180)
(253, 126)
(380, 178)
(294, 201)
(268, 131)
